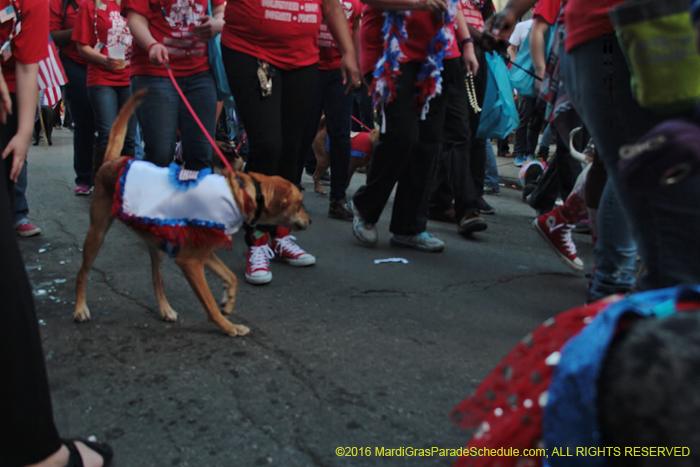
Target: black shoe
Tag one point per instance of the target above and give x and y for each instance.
(471, 223)
(443, 216)
(484, 207)
(340, 210)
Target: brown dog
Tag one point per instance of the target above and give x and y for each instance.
(359, 143)
(273, 201)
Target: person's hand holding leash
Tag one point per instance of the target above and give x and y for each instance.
(158, 54)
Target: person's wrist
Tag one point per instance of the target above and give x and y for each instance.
(151, 46)
(467, 41)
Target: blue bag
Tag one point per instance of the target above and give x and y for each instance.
(216, 63)
(521, 80)
(499, 116)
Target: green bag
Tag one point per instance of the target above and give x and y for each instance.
(658, 41)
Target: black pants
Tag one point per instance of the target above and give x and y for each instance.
(27, 431)
(452, 177)
(404, 155)
(477, 149)
(525, 137)
(274, 124)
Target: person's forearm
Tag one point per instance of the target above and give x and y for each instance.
(218, 11)
(461, 29)
(356, 37)
(512, 52)
(138, 25)
(26, 78)
(537, 45)
(91, 54)
(338, 26)
(62, 38)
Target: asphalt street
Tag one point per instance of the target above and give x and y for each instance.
(346, 353)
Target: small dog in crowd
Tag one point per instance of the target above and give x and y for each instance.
(361, 145)
(133, 190)
(50, 116)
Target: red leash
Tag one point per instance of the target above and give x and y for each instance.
(363, 125)
(196, 119)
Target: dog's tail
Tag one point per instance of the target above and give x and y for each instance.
(118, 133)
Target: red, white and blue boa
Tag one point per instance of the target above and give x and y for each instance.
(386, 70)
(177, 206)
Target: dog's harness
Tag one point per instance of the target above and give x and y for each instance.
(259, 199)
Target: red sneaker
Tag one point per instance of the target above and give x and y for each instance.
(556, 231)
(289, 252)
(257, 268)
(27, 230)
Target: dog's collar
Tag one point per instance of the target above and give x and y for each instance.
(259, 199)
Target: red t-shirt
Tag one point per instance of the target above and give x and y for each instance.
(472, 14)
(58, 21)
(282, 32)
(188, 55)
(31, 43)
(371, 41)
(548, 10)
(111, 31)
(329, 55)
(586, 20)
(421, 27)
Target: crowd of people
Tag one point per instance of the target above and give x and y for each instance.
(286, 64)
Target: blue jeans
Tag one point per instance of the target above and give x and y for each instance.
(491, 174)
(162, 113)
(76, 96)
(665, 222)
(106, 102)
(331, 100)
(615, 252)
(547, 137)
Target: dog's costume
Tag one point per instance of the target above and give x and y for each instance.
(360, 144)
(178, 206)
(543, 393)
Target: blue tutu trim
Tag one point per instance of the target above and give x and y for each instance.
(184, 185)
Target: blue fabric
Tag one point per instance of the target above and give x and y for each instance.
(184, 185)
(162, 113)
(76, 97)
(571, 416)
(519, 77)
(106, 102)
(499, 116)
(695, 10)
(216, 63)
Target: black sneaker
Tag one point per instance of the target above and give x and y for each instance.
(340, 210)
(484, 207)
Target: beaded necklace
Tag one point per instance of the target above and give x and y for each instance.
(16, 27)
(471, 92)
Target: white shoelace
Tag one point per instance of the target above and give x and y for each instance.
(260, 257)
(287, 244)
(566, 237)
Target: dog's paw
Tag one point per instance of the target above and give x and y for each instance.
(319, 190)
(168, 314)
(236, 330)
(81, 314)
(227, 302)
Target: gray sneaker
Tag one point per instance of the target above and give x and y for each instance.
(364, 231)
(422, 241)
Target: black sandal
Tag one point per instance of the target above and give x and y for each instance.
(75, 460)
